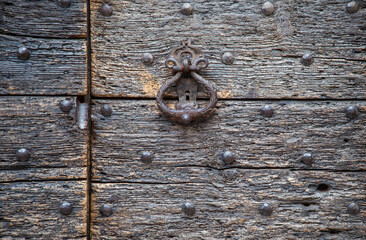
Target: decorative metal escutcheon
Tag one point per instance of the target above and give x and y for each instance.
(186, 61)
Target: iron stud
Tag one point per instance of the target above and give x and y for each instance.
(268, 8)
(65, 105)
(22, 155)
(227, 58)
(65, 208)
(188, 209)
(106, 210)
(23, 53)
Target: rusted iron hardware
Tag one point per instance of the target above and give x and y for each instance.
(186, 61)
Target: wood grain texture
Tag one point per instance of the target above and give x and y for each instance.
(55, 66)
(227, 203)
(267, 49)
(43, 18)
(30, 210)
(297, 127)
(57, 147)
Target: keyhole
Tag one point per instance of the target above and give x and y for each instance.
(187, 95)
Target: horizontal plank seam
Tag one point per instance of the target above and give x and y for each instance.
(146, 182)
(45, 180)
(43, 37)
(41, 95)
(268, 168)
(16, 168)
(170, 98)
(237, 99)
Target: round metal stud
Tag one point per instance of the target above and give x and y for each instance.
(187, 9)
(266, 111)
(65, 208)
(265, 209)
(65, 3)
(188, 209)
(307, 158)
(307, 59)
(353, 209)
(106, 111)
(227, 58)
(352, 112)
(23, 53)
(268, 8)
(106, 10)
(228, 157)
(147, 58)
(65, 105)
(146, 157)
(106, 210)
(352, 7)
(22, 155)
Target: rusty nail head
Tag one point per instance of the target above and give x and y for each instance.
(352, 7)
(65, 208)
(307, 59)
(228, 157)
(352, 112)
(266, 111)
(353, 209)
(106, 210)
(65, 3)
(22, 155)
(268, 8)
(307, 158)
(23, 53)
(188, 209)
(106, 10)
(265, 209)
(147, 58)
(65, 105)
(187, 9)
(106, 110)
(227, 58)
(146, 157)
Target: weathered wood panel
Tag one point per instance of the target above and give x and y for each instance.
(58, 148)
(296, 127)
(227, 202)
(267, 49)
(43, 18)
(55, 66)
(30, 210)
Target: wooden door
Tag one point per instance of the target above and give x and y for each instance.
(282, 157)
(43, 149)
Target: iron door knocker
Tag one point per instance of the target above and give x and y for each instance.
(186, 61)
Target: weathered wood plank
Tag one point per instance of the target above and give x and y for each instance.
(30, 210)
(296, 127)
(43, 18)
(267, 61)
(58, 149)
(227, 202)
(55, 66)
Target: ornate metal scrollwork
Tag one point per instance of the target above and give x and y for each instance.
(186, 61)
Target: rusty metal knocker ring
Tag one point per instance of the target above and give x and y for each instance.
(186, 61)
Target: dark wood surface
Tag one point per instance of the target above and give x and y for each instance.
(55, 66)
(309, 102)
(58, 148)
(227, 203)
(267, 49)
(30, 210)
(43, 18)
(318, 127)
